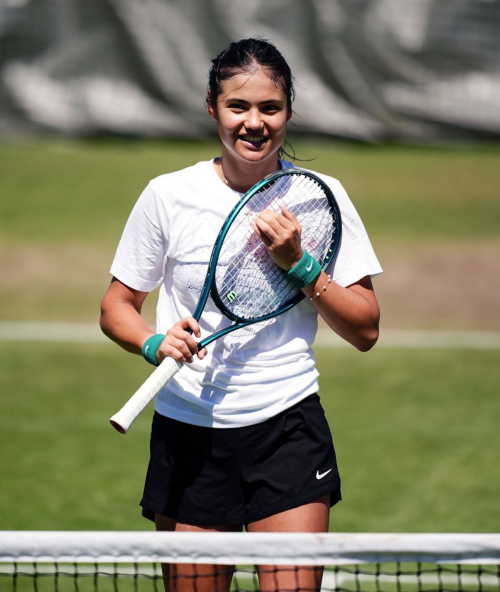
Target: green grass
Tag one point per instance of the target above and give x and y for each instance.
(63, 206)
(82, 192)
(416, 434)
(417, 437)
(415, 431)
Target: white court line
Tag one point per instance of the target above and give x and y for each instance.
(421, 339)
(58, 332)
(389, 338)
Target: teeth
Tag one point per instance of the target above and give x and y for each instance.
(253, 138)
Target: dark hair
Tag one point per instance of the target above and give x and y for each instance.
(243, 57)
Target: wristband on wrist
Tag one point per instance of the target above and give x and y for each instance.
(150, 348)
(305, 272)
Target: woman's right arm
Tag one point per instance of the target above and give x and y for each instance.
(122, 322)
(121, 318)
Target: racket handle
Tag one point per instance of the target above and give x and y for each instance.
(122, 420)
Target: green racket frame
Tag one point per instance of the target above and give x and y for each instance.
(209, 287)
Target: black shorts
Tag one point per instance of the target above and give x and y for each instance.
(207, 476)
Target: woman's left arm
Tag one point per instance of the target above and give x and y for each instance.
(352, 312)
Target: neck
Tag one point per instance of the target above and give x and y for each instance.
(240, 176)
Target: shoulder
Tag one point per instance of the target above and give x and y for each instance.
(350, 216)
(334, 184)
(169, 194)
(194, 176)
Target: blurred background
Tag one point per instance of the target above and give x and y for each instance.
(398, 99)
(371, 70)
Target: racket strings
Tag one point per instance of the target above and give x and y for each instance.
(247, 280)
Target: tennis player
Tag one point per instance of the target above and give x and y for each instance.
(239, 437)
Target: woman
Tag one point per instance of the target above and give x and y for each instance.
(239, 437)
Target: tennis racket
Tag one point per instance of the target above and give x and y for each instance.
(244, 282)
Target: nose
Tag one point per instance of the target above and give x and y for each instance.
(254, 119)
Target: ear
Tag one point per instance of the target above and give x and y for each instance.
(289, 115)
(211, 111)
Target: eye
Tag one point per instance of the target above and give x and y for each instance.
(271, 109)
(236, 106)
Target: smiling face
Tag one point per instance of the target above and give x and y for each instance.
(251, 115)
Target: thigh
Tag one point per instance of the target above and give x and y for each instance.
(312, 517)
(185, 577)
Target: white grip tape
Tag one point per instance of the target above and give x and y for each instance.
(122, 420)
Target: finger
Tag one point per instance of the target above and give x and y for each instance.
(291, 217)
(202, 353)
(278, 221)
(177, 349)
(170, 352)
(185, 337)
(269, 214)
(261, 235)
(266, 229)
(191, 323)
(271, 218)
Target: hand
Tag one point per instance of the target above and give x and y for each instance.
(281, 234)
(179, 344)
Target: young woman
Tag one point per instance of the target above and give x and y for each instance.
(239, 438)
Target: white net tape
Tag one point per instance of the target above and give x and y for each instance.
(248, 548)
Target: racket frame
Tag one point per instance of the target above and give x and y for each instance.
(209, 287)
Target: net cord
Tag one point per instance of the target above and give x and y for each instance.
(247, 548)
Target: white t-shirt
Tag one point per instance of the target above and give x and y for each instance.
(253, 373)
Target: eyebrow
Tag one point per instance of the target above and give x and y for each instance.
(267, 102)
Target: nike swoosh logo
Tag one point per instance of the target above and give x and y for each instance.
(320, 476)
(146, 350)
(310, 266)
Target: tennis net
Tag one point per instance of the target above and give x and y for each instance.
(202, 562)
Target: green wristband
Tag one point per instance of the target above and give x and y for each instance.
(150, 348)
(305, 272)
